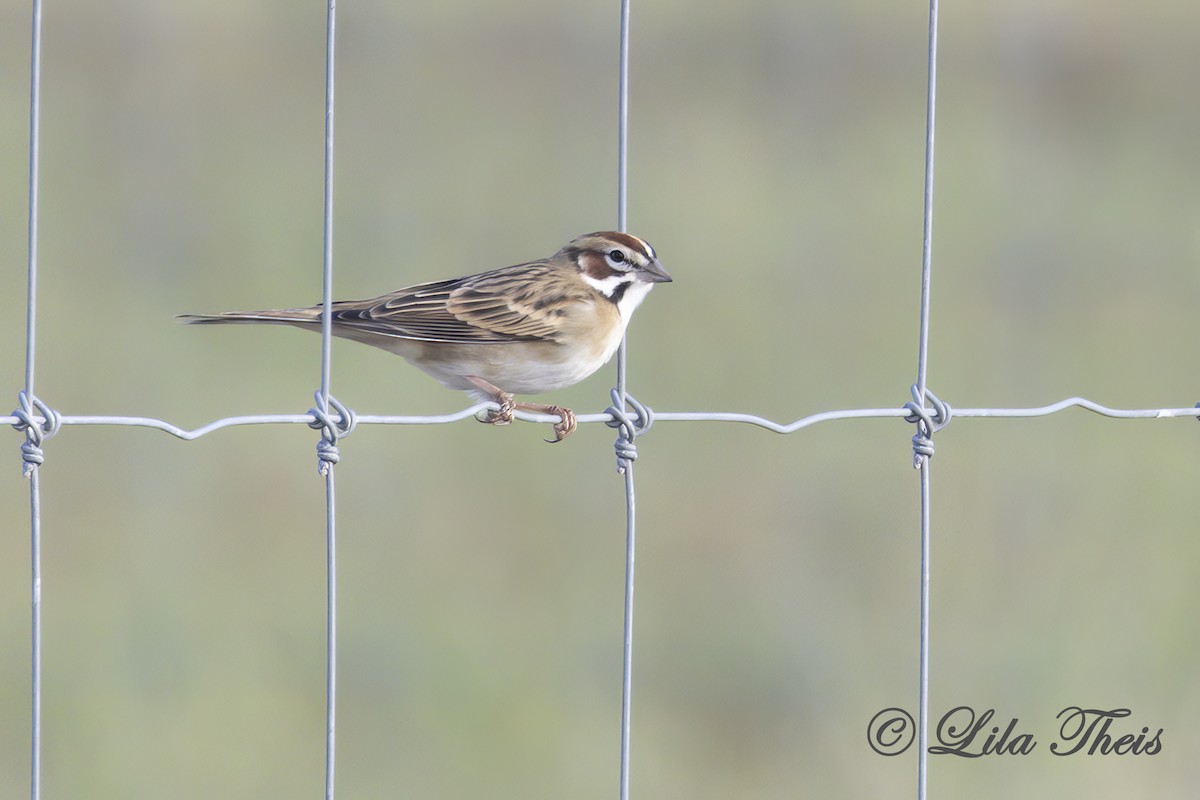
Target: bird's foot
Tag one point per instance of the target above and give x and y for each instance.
(563, 428)
(502, 415)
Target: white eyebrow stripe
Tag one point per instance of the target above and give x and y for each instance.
(649, 248)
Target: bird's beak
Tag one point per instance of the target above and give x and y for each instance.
(654, 273)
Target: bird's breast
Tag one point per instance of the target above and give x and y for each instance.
(590, 334)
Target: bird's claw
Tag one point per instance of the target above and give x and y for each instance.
(502, 415)
(565, 426)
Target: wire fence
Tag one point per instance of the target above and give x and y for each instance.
(37, 420)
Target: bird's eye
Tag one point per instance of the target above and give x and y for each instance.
(616, 256)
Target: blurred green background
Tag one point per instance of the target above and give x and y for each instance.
(776, 165)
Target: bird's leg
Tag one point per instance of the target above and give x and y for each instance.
(562, 429)
(502, 416)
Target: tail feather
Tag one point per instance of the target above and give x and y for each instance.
(282, 316)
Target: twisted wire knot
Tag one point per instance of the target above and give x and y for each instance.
(35, 432)
(629, 429)
(927, 424)
(331, 429)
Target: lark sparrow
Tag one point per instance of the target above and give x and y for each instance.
(526, 329)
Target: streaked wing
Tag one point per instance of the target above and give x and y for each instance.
(524, 302)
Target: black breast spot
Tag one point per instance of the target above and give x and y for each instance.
(619, 292)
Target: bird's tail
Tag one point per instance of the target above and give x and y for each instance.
(279, 316)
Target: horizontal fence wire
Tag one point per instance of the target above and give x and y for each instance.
(609, 419)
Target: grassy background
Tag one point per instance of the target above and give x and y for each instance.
(776, 161)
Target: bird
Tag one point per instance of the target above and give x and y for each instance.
(530, 328)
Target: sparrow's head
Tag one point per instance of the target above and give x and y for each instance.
(619, 266)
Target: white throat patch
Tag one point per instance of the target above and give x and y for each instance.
(633, 298)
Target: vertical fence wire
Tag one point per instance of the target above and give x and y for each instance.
(919, 395)
(35, 501)
(327, 208)
(326, 465)
(620, 399)
(35, 557)
(923, 670)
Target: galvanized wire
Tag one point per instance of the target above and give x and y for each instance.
(189, 434)
(32, 454)
(626, 451)
(327, 452)
(923, 440)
